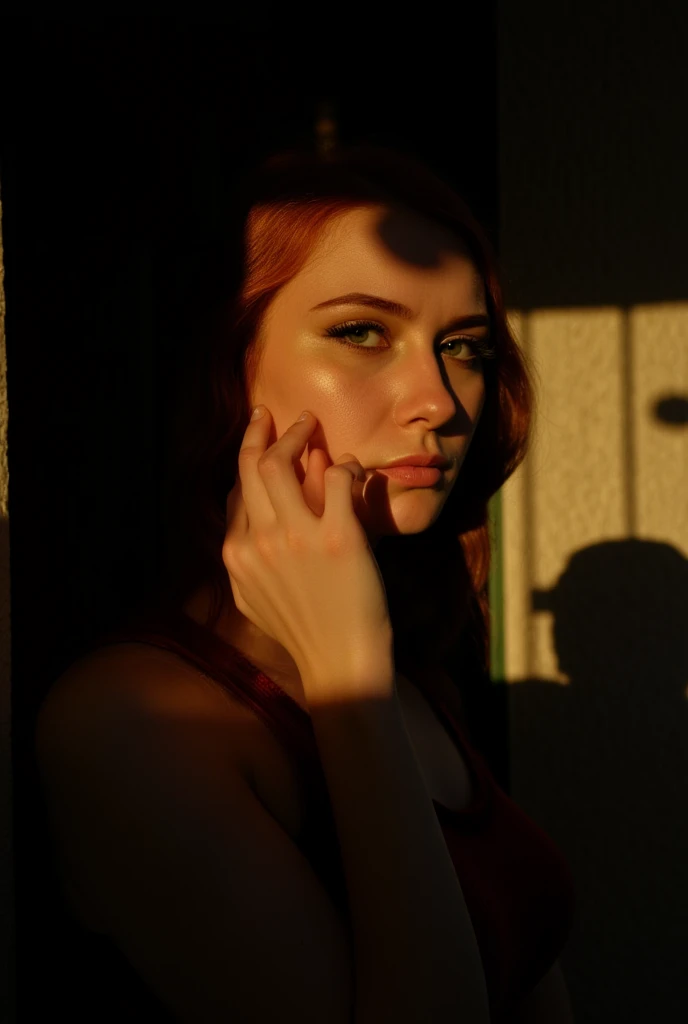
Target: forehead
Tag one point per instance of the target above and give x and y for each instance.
(395, 253)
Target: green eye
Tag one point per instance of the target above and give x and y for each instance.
(350, 330)
(481, 348)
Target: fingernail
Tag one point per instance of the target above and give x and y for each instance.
(258, 412)
(303, 416)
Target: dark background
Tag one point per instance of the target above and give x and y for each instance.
(120, 140)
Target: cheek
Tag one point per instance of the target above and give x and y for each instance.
(341, 402)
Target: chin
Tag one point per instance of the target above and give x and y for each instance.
(397, 520)
(391, 511)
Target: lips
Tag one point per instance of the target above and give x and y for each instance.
(435, 461)
(413, 476)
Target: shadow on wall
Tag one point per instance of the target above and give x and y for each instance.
(605, 763)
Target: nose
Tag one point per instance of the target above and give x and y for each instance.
(425, 392)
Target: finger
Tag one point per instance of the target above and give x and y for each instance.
(277, 471)
(313, 484)
(253, 473)
(340, 481)
(257, 506)
(236, 530)
(236, 517)
(349, 460)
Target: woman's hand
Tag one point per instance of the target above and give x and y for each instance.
(309, 581)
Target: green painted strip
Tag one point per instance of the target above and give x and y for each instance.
(496, 589)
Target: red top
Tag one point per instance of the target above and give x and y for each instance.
(518, 887)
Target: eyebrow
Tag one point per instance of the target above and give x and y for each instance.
(399, 309)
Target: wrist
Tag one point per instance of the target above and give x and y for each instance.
(345, 683)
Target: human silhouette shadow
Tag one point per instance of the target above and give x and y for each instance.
(603, 765)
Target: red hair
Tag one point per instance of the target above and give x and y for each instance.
(436, 581)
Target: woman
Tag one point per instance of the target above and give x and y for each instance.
(261, 792)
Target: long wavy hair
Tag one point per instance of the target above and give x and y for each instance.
(436, 581)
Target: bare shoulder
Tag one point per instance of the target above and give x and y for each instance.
(135, 692)
(164, 846)
(124, 684)
(135, 668)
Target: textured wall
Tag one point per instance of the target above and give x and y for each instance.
(604, 465)
(595, 522)
(6, 868)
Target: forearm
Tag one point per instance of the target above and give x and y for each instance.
(415, 953)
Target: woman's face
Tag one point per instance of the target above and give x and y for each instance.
(410, 387)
